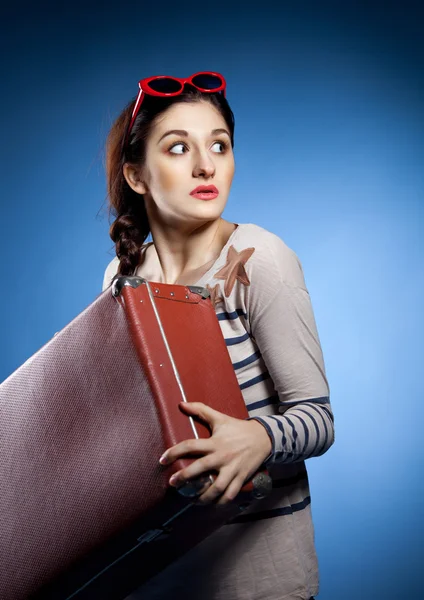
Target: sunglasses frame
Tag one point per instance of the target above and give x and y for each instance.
(144, 89)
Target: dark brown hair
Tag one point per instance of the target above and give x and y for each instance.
(131, 226)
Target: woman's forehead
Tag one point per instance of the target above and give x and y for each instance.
(193, 116)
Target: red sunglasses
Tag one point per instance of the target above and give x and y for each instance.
(164, 85)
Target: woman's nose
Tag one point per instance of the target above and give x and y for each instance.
(204, 166)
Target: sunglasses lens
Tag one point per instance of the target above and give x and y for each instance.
(207, 82)
(166, 85)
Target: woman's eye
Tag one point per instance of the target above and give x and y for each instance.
(176, 146)
(223, 144)
(183, 147)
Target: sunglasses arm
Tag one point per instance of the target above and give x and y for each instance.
(134, 113)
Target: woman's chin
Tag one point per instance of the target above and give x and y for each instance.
(210, 207)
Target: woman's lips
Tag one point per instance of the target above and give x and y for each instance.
(205, 195)
(205, 192)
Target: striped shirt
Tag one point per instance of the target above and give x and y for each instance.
(262, 304)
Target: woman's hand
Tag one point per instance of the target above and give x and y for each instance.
(236, 449)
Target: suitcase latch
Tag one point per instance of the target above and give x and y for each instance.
(152, 534)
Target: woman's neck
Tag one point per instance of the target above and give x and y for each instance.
(185, 258)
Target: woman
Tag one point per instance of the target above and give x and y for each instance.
(170, 165)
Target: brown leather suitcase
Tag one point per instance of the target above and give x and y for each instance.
(86, 510)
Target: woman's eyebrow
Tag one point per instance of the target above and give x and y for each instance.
(183, 132)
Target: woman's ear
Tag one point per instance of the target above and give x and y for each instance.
(132, 176)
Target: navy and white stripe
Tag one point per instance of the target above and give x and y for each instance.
(226, 316)
(305, 431)
(273, 512)
(298, 428)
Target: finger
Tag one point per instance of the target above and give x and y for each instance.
(203, 411)
(192, 446)
(197, 468)
(232, 491)
(218, 488)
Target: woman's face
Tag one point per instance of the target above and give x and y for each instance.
(199, 153)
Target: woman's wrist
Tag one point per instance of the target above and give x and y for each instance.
(265, 447)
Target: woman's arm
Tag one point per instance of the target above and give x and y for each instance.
(284, 328)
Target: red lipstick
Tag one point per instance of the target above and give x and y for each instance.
(205, 192)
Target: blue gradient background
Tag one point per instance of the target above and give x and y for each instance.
(329, 147)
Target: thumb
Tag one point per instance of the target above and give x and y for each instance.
(203, 411)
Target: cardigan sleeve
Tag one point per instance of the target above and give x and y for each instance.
(283, 326)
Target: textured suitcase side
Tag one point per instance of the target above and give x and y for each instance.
(78, 430)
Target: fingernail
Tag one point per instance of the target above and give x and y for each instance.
(173, 479)
(163, 459)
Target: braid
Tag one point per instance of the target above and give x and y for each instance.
(129, 233)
